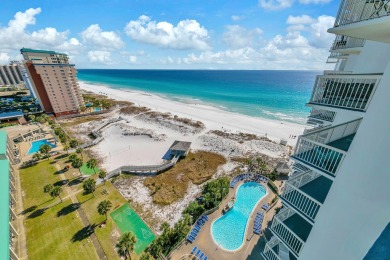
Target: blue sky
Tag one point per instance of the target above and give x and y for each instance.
(214, 34)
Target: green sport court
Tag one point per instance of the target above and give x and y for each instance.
(127, 220)
(88, 171)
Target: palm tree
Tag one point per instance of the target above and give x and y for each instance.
(89, 186)
(73, 143)
(250, 164)
(55, 192)
(48, 188)
(77, 163)
(125, 245)
(37, 156)
(72, 157)
(66, 148)
(91, 164)
(80, 151)
(104, 207)
(45, 149)
(102, 175)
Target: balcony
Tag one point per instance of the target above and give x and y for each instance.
(345, 44)
(367, 19)
(336, 72)
(306, 192)
(291, 229)
(352, 92)
(321, 114)
(325, 149)
(275, 250)
(335, 56)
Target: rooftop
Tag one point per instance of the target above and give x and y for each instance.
(13, 114)
(40, 51)
(180, 146)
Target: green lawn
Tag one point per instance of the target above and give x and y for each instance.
(33, 179)
(53, 233)
(88, 171)
(57, 234)
(107, 235)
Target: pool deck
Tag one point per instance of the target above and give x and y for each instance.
(205, 242)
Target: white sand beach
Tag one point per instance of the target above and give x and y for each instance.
(139, 139)
(212, 117)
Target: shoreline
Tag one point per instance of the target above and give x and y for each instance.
(212, 117)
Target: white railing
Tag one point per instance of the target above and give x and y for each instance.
(335, 56)
(336, 72)
(285, 233)
(299, 199)
(352, 11)
(322, 114)
(308, 130)
(345, 91)
(268, 252)
(313, 150)
(345, 42)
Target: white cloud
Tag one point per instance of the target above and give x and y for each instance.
(276, 4)
(4, 58)
(236, 18)
(314, 1)
(303, 48)
(283, 4)
(237, 36)
(303, 19)
(133, 59)
(94, 36)
(14, 36)
(187, 34)
(99, 57)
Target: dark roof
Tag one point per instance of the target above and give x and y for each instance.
(40, 51)
(180, 146)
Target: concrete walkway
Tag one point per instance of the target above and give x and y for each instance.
(71, 194)
(21, 241)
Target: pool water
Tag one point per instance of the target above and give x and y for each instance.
(36, 144)
(228, 231)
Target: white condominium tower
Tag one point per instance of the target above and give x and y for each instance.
(336, 204)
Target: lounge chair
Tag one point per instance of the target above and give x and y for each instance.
(190, 239)
(193, 234)
(196, 228)
(194, 249)
(206, 258)
(201, 256)
(198, 252)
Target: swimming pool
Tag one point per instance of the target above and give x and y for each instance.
(36, 144)
(228, 231)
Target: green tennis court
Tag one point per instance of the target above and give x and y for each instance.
(88, 171)
(127, 220)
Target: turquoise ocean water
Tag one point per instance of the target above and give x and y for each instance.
(279, 95)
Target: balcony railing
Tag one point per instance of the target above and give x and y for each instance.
(345, 91)
(352, 11)
(325, 149)
(344, 42)
(299, 199)
(322, 114)
(269, 252)
(335, 56)
(284, 233)
(308, 130)
(336, 72)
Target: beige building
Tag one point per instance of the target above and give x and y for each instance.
(54, 81)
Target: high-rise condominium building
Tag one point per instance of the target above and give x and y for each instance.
(11, 74)
(54, 81)
(336, 202)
